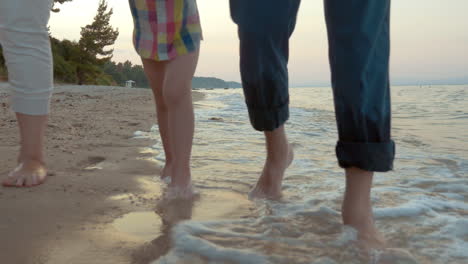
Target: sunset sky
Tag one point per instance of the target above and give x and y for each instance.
(429, 39)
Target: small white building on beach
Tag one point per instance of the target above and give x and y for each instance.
(129, 84)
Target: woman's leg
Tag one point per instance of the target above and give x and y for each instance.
(31, 169)
(177, 94)
(156, 71)
(26, 46)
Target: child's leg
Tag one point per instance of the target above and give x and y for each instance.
(357, 207)
(177, 94)
(156, 72)
(26, 46)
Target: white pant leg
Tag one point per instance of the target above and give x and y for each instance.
(26, 48)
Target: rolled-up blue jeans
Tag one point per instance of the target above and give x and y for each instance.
(359, 50)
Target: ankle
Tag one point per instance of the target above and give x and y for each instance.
(167, 166)
(168, 161)
(181, 181)
(181, 175)
(359, 216)
(31, 159)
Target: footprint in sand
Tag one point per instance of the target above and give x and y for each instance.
(93, 163)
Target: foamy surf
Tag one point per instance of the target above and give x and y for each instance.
(420, 208)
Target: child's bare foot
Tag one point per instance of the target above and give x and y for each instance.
(28, 173)
(270, 182)
(181, 178)
(369, 238)
(180, 193)
(166, 173)
(357, 208)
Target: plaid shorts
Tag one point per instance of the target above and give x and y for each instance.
(165, 29)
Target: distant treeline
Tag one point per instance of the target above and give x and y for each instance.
(89, 61)
(211, 82)
(122, 72)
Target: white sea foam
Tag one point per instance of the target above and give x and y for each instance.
(421, 206)
(185, 242)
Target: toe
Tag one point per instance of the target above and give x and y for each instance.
(19, 181)
(30, 180)
(8, 182)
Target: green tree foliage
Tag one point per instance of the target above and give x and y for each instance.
(94, 40)
(100, 34)
(66, 54)
(122, 72)
(83, 62)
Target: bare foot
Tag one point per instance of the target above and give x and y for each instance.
(357, 208)
(173, 208)
(361, 218)
(166, 174)
(270, 182)
(29, 173)
(181, 177)
(180, 193)
(371, 239)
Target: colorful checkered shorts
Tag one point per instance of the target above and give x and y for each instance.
(165, 29)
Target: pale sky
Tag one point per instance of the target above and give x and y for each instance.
(429, 39)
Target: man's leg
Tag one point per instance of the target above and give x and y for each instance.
(359, 42)
(265, 27)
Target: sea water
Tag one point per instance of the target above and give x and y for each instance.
(420, 207)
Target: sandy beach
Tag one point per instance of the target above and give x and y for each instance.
(97, 174)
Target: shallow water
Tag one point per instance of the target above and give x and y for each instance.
(421, 207)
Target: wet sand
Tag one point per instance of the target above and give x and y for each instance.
(98, 173)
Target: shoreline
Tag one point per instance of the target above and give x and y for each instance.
(97, 174)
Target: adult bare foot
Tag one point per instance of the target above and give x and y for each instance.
(28, 173)
(270, 182)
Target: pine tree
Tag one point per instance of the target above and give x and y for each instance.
(93, 42)
(100, 34)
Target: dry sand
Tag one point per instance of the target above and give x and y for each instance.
(97, 174)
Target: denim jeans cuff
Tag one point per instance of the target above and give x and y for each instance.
(263, 119)
(369, 156)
